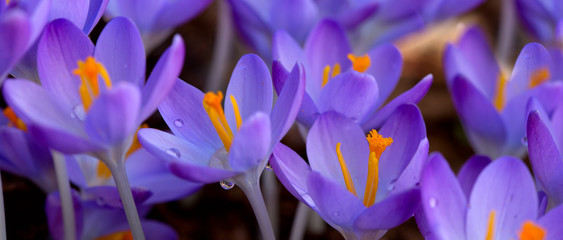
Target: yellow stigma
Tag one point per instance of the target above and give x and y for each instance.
(538, 77)
(531, 231)
(15, 121)
(499, 99)
(126, 235)
(490, 226)
(377, 145)
(88, 72)
(345, 172)
(212, 105)
(326, 73)
(360, 63)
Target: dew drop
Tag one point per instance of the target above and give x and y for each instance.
(433, 202)
(269, 166)
(336, 214)
(179, 123)
(78, 112)
(524, 141)
(226, 184)
(174, 152)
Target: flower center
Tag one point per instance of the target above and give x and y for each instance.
(126, 235)
(377, 144)
(360, 63)
(15, 121)
(103, 171)
(531, 231)
(212, 105)
(88, 72)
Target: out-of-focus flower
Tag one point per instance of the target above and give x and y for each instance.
(20, 154)
(543, 19)
(359, 186)
(503, 202)
(337, 80)
(92, 99)
(156, 19)
(544, 144)
(95, 221)
(231, 145)
(491, 106)
(21, 22)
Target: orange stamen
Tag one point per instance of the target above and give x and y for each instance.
(360, 63)
(15, 121)
(531, 231)
(212, 105)
(499, 99)
(345, 172)
(538, 77)
(490, 226)
(88, 72)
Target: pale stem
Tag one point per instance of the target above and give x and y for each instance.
(2, 215)
(507, 29)
(67, 205)
(271, 197)
(120, 176)
(221, 52)
(254, 195)
(299, 222)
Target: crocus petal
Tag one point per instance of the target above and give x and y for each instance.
(406, 128)
(352, 18)
(335, 203)
(443, 200)
(163, 76)
(332, 128)
(390, 212)
(473, 58)
(543, 201)
(143, 12)
(251, 26)
(557, 129)
(251, 145)
(251, 85)
(545, 158)
(351, 94)
(482, 123)
(95, 12)
(286, 50)
(72, 10)
(410, 177)
(552, 223)
(292, 171)
(308, 113)
(14, 36)
(304, 14)
(326, 45)
(506, 187)
(447, 9)
(114, 115)
(158, 230)
(122, 58)
(60, 48)
(287, 106)
(174, 13)
(55, 217)
(186, 160)
(145, 170)
(470, 171)
(108, 196)
(412, 95)
(386, 66)
(532, 58)
(101, 221)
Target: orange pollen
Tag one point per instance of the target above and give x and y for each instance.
(212, 105)
(14, 120)
(327, 73)
(377, 143)
(538, 77)
(499, 99)
(531, 231)
(88, 72)
(126, 235)
(360, 63)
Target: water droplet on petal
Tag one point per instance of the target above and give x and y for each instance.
(336, 214)
(433, 202)
(174, 152)
(269, 166)
(226, 184)
(525, 141)
(78, 112)
(179, 123)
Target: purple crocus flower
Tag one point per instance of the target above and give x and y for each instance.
(343, 163)
(355, 86)
(21, 22)
(543, 19)
(231, 145)
(544, 144)
(95, 221)
(491, 106)
(503, 202)
(156, 19)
